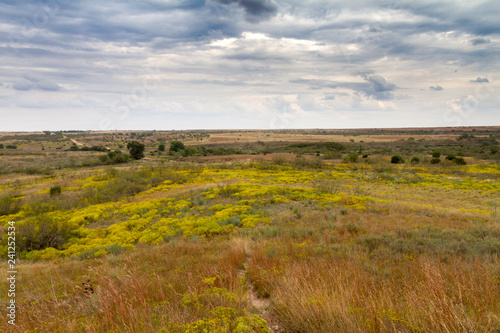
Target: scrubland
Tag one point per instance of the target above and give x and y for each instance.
(281, 243)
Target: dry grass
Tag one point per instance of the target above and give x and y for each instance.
(356, 294)
(139, 292)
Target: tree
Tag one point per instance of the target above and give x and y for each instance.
(161, 147)
(176, 146)
(136, 149)
(436, 154)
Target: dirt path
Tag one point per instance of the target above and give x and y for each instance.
(74, 141)
(79, 143)
(262, 305)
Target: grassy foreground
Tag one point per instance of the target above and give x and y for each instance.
(279, 245)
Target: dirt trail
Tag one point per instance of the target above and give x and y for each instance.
(74, 141)
(79, 143)
(260, 303)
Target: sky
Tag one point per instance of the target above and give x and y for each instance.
(248, 64)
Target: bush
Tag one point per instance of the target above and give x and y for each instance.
(136, 149)
(1, 145)
(301, 162)
(103, 159)
(415, 160)
(465, 136)
(116, 157)
(279, 159)
(176, 146)
(42, 233)
(93, 148)
(397, 159)
(11, 147)
(450, 157)
(352, 158)
(329, 155)
(436, 154)
(9, 204)
(189, 152)
(435, 160)
(36, 171)
(55, 190)
(161, 147)
(459, 161)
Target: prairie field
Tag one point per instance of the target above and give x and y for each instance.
(253, 231)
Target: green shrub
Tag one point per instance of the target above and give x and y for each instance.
(9, 204)
(55, 190)
(415, 160)
(117, 157)
(459, 161)
(103, 159)
(450, 157)
(301, 162)
(36, 171)
(279, 159)
(43, 232)
(436, 154)
(351, 158)
(435, 160)
(188, 151)
(234, 220)
(330, 155)
(161, 147)
(176, 146)
(397, 159)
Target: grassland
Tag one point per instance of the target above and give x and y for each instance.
(254, 232)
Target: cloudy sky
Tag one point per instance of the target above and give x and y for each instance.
(268, 64)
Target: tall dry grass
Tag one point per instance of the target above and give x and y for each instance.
(359, 294)
(144, 291)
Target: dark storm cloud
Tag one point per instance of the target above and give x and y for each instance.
(154, 23)
(375, 87)
(479, 41)
(480, 80)
(256, 10)
(436, 88)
